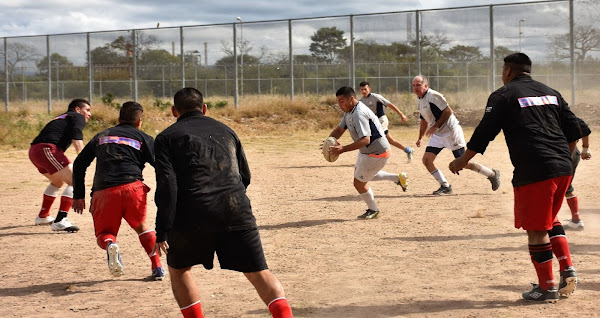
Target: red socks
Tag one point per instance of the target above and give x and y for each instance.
(280, 308)
(541, 257)
(193, 311)
(148, 239)
(46, 205)
(574, 206)
(104, 239)
(65, 204)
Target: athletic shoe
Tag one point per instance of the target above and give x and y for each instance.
(369, 214)
(64, 225)
(113, 256)
(568, 281)
(403, 181)
(538, 294)
(495, 180)
(44, 221)
(409, 154)
(576, 226)
(443, 190)
(158, 273)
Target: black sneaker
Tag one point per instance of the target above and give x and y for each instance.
(443, 190)
(495, 180)
(568, 282)
(538, 294)
(369, 214)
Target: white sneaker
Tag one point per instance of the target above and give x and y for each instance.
(113, 256)
(64, 225)
(44, 221)
(574, 226)
(409, 155)
(403, 181)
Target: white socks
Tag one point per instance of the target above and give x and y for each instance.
(383, 175)
(482, 169)
(369, 199)
(439, 176)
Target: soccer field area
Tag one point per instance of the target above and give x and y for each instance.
(425, 256)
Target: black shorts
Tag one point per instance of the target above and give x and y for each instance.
(435, 150)
(239, 251)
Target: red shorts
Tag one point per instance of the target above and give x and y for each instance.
(127, 201)
(537, 204)
(48, 158)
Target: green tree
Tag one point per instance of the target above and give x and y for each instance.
(500, 52)
(462, 53)
(327, 43)
(158, 57)
(56, 60)
(228, 60)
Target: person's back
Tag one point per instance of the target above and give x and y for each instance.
(61, 130)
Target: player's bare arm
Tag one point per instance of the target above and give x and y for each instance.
(394, 108)
(461, 162)
(159, 248)
(337, 132)
(79, 205)
(422, 129)
(586, 154)
(353, 146)
(443, 118)
(77, 144)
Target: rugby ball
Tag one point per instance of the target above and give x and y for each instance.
(328, 143)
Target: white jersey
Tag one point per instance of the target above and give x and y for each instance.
(376, 103)
(362, 122)
(430, 106)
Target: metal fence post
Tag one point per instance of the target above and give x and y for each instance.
(90, 74)
(49, 74)
(135, 52)
(572, 51)
(492, 55)
(352, 62)
(6, 106)
(182, 57)
(291, 61)
(236, 96)
(418, 41)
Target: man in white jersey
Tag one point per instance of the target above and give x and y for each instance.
(444, 131)
(374, 150)
(376, 103)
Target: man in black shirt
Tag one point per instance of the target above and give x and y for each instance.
(118, 192)
(539, 129)
(201, 180)
(47, 153)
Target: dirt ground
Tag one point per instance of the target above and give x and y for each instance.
(425, 256)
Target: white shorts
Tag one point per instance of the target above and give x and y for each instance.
(385, 122)
(454, 139)
(367, 167)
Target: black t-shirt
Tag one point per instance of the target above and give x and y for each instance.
(62, 130)
(201, 178)
(537, 125)
(121, 153)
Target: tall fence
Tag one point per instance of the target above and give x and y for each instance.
(459, 49)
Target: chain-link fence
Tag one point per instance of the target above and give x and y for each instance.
(459, 49)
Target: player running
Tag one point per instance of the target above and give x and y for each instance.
(575, 223)
(374, 151)
(444, 131)
(47, 153)
(118, 192)
(376, 103)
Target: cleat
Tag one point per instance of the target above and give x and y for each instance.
(44, 221)
(409, 154)
(403, 181)
(495, 180)
(64, 225)
(443, 190)
(576, 226)
(369, 214)
(158, 273)
(568, 282)
(113, 256)
(539, 295)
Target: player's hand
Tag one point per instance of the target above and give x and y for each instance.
(160, 247)
(418, 143)
(79, 205)
(586, 154)
(431, 131)
(336, 150)
(403, 118)
(457, 165)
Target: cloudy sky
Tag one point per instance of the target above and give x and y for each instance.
(37, 17)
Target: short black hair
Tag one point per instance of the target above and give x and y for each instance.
(345, 91)
(519, 62)
(363, 83)
(130, 113)
(78, 102)
(187, 99)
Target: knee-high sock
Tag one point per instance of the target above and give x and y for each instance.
(369, 199)
(541, 257)
(148, 239)
(574, 206)
(192, 311)
(66, 200)
(479, 168)
(280, 308)
(104, 238)
(439, 176)
(383, 175)
(560, 246)
(50, 195)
